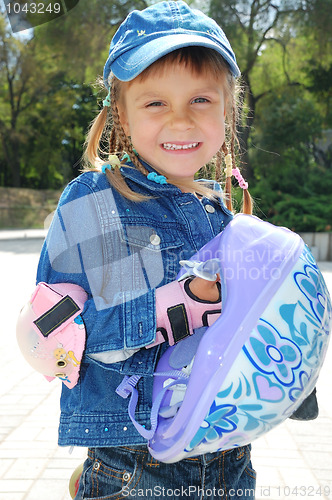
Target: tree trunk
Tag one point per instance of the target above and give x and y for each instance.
(11, 148)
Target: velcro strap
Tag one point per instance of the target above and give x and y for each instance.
(179, 322)
(56, 316)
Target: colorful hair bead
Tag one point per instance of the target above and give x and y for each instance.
(229, 171)
(105, 167)
(229, 165)
(159, 179)
(238, 176)
(107, 100)
(126, 158)
(114, 162)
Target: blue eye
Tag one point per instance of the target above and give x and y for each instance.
(200, 100)
(155, 103)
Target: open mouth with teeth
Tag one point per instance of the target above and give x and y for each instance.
(179, 147)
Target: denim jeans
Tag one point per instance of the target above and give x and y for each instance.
(131, 472)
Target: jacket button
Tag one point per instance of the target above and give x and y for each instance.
(155, 239)
(210, 209)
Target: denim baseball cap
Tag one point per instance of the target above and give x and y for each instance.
(145, 36)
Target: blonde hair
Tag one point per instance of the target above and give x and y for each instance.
(107, 126)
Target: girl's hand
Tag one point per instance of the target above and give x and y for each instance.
(205, 290)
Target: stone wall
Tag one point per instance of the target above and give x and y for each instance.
(320, 245)
(26, 208)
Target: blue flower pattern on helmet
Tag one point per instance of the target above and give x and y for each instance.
(282, 368)
(320, 307)
(273, 354)
(295, 392)
(215, 425)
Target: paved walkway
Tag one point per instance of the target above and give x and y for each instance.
(293, 461)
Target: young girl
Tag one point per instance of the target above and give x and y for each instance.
(121, 229)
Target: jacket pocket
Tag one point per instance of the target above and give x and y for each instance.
(155, 249)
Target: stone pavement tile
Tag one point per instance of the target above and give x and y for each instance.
(298, 476)
(6, 463)
(11, 496)
(57, 472)
(56, 475)
(26, 468)
(324, 478)
(268, 475)
(17, 486)
(32, 478)
(48, 489)
(13, 453)
(318, 459)
(7, 423)
(24, 432)
(65, 462)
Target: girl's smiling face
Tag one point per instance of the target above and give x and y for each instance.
(175, 117)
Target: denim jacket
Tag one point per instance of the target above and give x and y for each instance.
(120, 251)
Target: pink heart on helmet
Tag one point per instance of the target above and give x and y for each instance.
(267, 390)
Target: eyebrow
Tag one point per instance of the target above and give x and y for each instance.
(154, 95)
(148, 95)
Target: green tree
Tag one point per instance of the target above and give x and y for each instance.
(47, 91)
(256, 26)
(291, 188)
(27, 76)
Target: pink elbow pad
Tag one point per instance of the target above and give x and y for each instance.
(51, 333)
(179, 312)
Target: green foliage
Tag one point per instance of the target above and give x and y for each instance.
(284, 51)
(287, 118)
(48, 95)
(291, 188)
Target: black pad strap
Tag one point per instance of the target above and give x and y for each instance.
(178, 319)
(163, 331)
(205, 317)
(56, 316)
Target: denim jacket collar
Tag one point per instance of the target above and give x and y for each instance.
(129, 171)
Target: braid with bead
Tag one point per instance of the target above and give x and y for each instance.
(247, 201)
(122, 140)
(228, 181)
(218, 164)
(113, 141)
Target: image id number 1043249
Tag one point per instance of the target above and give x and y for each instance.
(298, 491)
(25, 14)
(33, 8)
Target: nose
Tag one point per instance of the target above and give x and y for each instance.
(181, 119)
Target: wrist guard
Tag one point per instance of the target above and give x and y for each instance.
(179, 312)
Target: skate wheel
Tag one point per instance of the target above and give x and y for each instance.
(75, 480)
